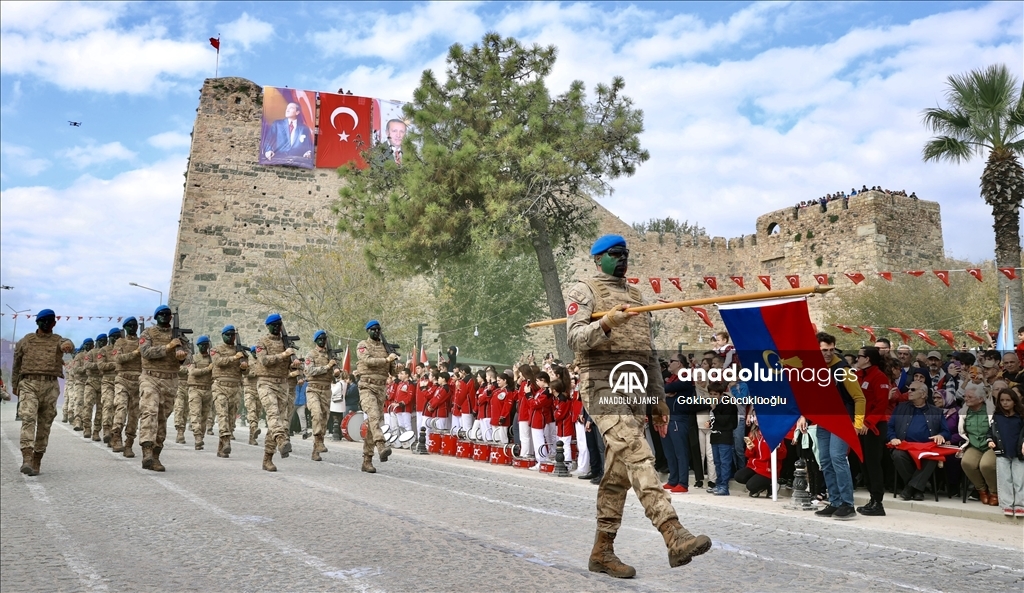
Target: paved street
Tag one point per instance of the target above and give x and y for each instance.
(96, 521)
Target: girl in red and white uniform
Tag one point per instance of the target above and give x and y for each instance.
(483, 407)
(565, 420)
(542, 414)
(501, 408)
(580, 426)
(405, 393)
(527, 389)
(424, 390)
(439, 405)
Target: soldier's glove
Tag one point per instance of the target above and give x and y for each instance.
(173, 344)
(659, 416)
(392, 357)
(616, 317)
(293, 374)
(239, 355)
(180, 354)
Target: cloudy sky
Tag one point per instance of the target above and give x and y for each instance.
(749, 108)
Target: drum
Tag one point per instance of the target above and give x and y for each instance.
(547, 467)
(481, 452)
(391, 438)
(433, 443)
(353, 427)
(449, 442)
(406, 439)
(501, 455)
(523, 462)
(464, 449)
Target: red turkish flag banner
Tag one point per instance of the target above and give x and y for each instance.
(1010, 273)
(846, 328)
(215, 42)
(344, 130)
(902, 334)
(855, 277)
(794, 280)
(975, 273)
(886, 275)
(347, 364)
(711, 281)
(675, 282)
(633, 280)
(423, 355)
(738, 280)
(821, 278)
(870, 331)
(703, 314)
(942, 275)
(975, 337)
(79, 317)
(924, 336)
(766, 280)
(655, 284)
(948, 336)
(915, 273)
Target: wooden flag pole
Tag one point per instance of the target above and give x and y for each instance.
(736, 298)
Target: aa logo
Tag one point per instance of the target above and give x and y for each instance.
(625, 380)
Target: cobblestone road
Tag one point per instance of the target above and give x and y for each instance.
(94, 521)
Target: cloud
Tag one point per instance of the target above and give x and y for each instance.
(245, 31)
(21, 160)
(76, 249)
(170, 140)
(92, 154)
(80, 47)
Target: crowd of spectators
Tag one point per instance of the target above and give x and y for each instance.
(823, 201)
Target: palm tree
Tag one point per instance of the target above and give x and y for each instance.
(986, 114)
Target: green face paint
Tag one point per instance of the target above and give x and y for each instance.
(614, 266)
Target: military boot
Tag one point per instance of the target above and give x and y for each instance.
(368, 464)
(227, 445)
(128, 448)
(26, 461)
(106, 438)
(147, 455)
(180, 439)
(199, 441)
(383, 450)
(682, 545)
(603, 558)
(87, 433)
(268, 459)
(115, 442)
(157, 466)
(209, 431)
(37, 458)
(96, 436)
(222, 445)
(252, 437)
(284, 446)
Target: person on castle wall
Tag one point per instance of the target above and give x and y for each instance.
(289, 137)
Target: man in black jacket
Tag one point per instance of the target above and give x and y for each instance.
(916, 421)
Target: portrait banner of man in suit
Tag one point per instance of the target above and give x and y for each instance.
(287, 133)
(390, 126)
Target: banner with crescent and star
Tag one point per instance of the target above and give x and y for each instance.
(286, 136)
(344, 130)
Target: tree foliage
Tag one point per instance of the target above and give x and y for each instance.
(494, 163)
(683, 232)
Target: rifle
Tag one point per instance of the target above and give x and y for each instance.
(289, 342)
(390, 349)
(240, 347)
(179, 333)
(332, 353)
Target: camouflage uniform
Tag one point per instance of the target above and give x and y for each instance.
(157, 388)
(227, 382)
(181, 403)
(253, 407)
(38, 362)
(319, 374)
(373, 369)
(126, 394)
(91, 398)
(69, 388)
(78, 392)
(108, 370)
(200, 398)
(273, 387)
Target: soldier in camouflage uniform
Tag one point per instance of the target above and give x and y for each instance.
(38, 362)
(273, 384)
(200, 396)
(253, 407)
(181, 410)
(320, 371)
(161, 358)
(70, 387)
(373, 369)
(228, 366)
(92, 416)
(599, 346)
(126, 389)
(78, 397)
(108, 367)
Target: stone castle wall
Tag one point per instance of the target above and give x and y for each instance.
(238, 216)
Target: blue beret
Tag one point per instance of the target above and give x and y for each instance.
(607, 242)
(116, 331)
(87, 341)
(372, 323)
(319, 333)
(101, 337)
(252, 349)
(45, 313)
(160, 309)
(203, 340)
(126, 321)
(227, 328)
(272, 318)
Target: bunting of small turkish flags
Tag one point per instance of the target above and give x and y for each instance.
(80, 318)
(633, 280)
(870, 330)
(846, 328)
(119, 319)
(948, 336)
(1010, 273)
(675, 282)
(766, 280)
(902, 334)
(855, 277)
(975, 337)
(942, 275)
(703, 314)
(975, 272)
(711, 281)
(915, 273)
(924, 336)
(655, 284)
(886, 275)
(794, 280)
(821, 278)
(738, 280)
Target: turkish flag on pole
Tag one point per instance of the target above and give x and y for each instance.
(855, 277)
(675, 282)
(948, 336)
(215, 42)
(423, 355)
(942, 275)
(347, 364)
(344, 130)
(655, 284)
(766, 280)
(738, 280)
(794, 280)
(703, 314)
(711, 281)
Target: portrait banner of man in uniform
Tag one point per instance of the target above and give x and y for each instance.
(287, 132)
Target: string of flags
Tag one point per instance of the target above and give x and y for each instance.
(923, 334)
(824, 279)
(109, 318)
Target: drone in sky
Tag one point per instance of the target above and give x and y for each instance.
(75, 124)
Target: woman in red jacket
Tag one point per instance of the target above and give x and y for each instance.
(423, 393)
(501, 407)
(565, 419)
(483, 405)
(467, 404)
(524, 397)
(542, 412)
(439, 404)
(758, 474)
(872, 372)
